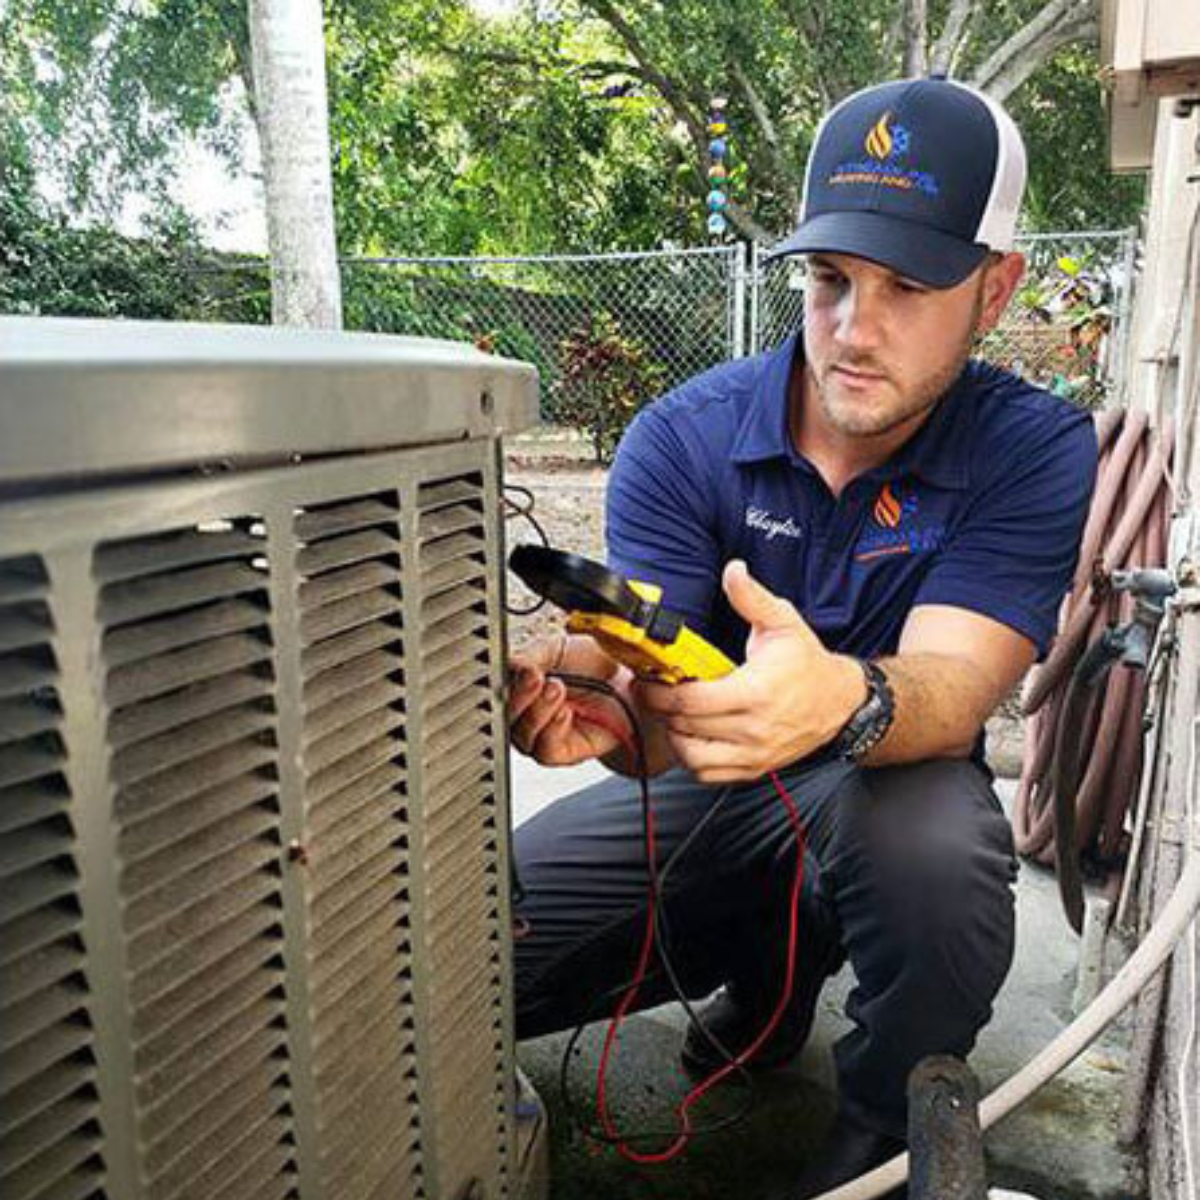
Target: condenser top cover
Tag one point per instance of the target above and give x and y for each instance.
(85, 397)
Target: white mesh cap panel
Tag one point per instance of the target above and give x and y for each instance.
(998, 225)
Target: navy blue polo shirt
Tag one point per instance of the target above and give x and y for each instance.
(981, 509)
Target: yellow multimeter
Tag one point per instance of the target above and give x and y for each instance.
(624, 616)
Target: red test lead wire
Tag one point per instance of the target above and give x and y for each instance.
(683, 1112)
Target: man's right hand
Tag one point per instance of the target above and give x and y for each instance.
(546, 719)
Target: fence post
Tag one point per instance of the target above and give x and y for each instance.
(1120, 367)
(755, 285)
(737, 339)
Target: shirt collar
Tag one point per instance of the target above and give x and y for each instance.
(939, 452)
(763, 432)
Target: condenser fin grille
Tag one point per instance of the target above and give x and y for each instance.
(353, 663)
(50, 1139)
(253, 931)
(461, 846)
(187, 645)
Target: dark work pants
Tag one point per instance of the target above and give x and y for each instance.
(909, 874)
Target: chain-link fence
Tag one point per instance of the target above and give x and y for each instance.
(608, 332)
(1066, 328)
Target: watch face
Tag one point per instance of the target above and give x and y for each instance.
(869, 725)
(872, 734)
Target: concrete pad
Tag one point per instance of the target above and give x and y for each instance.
(534, 787)
(1062, 1144)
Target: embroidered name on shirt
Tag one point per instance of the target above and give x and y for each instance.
(771, 525)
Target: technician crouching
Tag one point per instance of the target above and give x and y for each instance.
(880, 530)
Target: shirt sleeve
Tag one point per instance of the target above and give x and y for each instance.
(1013, 554)
(660, 519)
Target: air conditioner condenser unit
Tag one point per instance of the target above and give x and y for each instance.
(253, 785)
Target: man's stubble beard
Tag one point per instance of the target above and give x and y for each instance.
(857, 421)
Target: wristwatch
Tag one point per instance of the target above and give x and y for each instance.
(869, 723)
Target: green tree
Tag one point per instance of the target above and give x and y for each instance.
(576, 125)
(465, 135)
(103, 91)
(782, 63)
(1070, 186)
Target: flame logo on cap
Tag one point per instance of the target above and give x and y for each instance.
(879, 141)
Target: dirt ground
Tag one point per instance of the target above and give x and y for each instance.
(569, 506)
(568, 503)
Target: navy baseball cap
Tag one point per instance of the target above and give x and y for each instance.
(924, 176)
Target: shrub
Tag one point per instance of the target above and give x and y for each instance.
(606, 378)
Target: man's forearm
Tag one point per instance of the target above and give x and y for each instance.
(941, 704)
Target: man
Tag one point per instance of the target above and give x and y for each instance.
(880, 531)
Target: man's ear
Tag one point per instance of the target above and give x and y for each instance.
(1001, 274)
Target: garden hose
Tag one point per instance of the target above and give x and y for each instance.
(1082, 756)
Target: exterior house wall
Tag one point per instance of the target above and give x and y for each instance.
(1164, 379)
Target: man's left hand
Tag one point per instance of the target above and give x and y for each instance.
(789, 698)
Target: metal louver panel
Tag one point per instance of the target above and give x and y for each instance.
(356, 864)
(50, 1138)
(253, 933)
(461, 852)
(190, 691)
(253, 766)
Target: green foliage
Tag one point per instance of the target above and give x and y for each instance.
(386, 300)
(49, 267)
(1062, 328)
(607, 376)
(1070, 186)
(103, 91)
(572, 126)
(457, 135)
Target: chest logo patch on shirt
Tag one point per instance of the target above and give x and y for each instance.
(893, 526)
(772, 526)
(891, 509)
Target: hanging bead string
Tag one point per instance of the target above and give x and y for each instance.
(718, 149)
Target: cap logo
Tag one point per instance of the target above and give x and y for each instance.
(884, 145)
(879, 140)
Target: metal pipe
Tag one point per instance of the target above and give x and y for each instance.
(737, 315)
(945, 1145)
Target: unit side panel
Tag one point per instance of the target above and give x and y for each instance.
(50, 1120)
(464, 968)
(191, 722)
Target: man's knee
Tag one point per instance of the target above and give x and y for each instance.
(924, 881)
(930, 840)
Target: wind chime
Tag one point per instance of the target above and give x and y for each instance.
(718, 149)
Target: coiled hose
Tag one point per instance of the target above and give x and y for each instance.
(1085, 742)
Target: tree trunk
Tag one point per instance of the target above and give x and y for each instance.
(954, 34)
(288, 46)
(914, 21)
(1058, 24)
